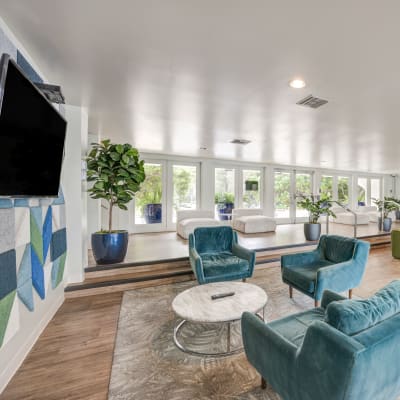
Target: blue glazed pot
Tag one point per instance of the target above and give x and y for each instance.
(109, 248)
(387, 224)
(225, 211)
(153, 213)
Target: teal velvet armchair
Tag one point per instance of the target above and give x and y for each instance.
(216, 256)
(343, 350)
(338, 264)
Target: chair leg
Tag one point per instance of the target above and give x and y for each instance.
(316, 303)
(263, 383)
(290, 292)
(244, 280)
(350, 293)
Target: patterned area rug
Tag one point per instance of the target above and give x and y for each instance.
(148, 366)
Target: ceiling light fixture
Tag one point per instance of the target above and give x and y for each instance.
(297, 83)
(203, 148)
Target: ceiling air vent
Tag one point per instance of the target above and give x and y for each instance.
(240, 141)
(311, 101)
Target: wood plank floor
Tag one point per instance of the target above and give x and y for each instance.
(72, 359)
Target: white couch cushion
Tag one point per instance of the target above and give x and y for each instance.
(188, 220)
(254, 224)
(347, 218)
(241, 212)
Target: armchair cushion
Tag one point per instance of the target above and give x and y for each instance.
(293, 328)
(306, 276)
(338, 250)
(223, 264)
(213, 240)
(354, 316)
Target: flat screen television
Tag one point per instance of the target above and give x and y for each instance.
(32, 135)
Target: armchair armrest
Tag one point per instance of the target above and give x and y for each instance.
(195, 261)
(268, 351)
(327, 355)
(299, 259)
(246, 254)
(196, 264)
(339, 277)
(328, 296)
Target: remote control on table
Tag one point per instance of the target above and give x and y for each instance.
(221, 295)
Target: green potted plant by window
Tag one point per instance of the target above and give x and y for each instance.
(148, 200)
(225, 204)
(116, 172)
(397, 211)
(315, 207)
(385, 206)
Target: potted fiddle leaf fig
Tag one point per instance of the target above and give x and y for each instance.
(315, 207)
(385, 206)
(116, 172)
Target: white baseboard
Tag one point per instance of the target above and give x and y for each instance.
(7, 371)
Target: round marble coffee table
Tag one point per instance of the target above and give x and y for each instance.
(196, 306)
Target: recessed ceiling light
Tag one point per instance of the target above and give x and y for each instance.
(297, 83)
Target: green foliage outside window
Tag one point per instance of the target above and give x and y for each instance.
(151, 188)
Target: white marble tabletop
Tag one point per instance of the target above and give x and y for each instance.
(195, 304)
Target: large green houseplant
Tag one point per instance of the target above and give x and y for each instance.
(385, 206)
(316, 207)
(116, 172)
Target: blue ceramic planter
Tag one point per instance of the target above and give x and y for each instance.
(225, 211)
(153, 213)
(109, 248)
(387, 224)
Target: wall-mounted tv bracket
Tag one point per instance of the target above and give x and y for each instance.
(52, 92)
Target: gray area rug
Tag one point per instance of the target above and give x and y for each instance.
(148, 366)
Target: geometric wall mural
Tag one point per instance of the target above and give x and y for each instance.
(32, 240)
(33, 249)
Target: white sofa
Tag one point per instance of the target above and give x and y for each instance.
(347, 218)
(250, 220)
(188, 220)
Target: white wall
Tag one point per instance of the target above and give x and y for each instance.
(93, 206)
(75, 194)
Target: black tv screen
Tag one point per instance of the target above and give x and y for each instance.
(32, 135)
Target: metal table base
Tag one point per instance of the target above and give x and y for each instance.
(228, 351)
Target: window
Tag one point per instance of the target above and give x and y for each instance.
(343, 190)
(184, 188)
(148, 201)
(326, 187)
(225, 183)
(362, 191)
(282, 194)
(251, 188)
(303, 187)
(375, 188)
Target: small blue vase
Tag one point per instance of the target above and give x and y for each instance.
(153, 213)
(109, 248)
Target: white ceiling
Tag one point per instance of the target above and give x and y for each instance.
(171, 76)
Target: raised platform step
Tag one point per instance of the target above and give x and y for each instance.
(120, 277)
